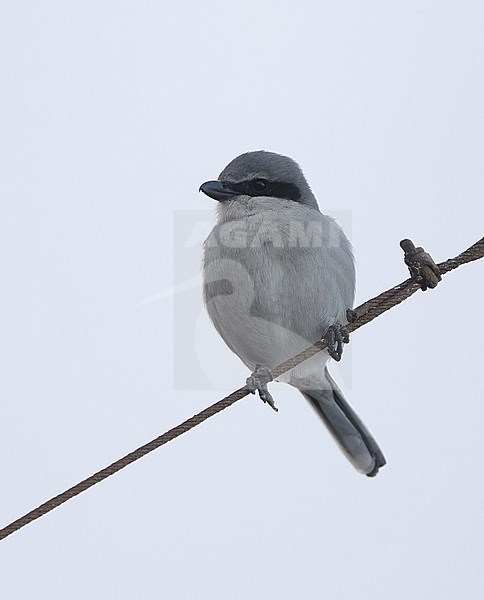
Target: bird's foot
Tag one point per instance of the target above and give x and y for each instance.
(335, 337)
(421, 265)
(258, 382)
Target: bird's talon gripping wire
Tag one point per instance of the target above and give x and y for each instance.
(258, 382)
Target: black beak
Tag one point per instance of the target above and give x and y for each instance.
(217, 191)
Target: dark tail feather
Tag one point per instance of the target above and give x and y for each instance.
(350, 434)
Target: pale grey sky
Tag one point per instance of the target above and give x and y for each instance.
(113, 114)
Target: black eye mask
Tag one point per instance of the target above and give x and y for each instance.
(262, 187)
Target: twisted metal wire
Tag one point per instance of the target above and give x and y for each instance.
(365, 314)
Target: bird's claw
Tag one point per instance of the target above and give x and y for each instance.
(335, 337)
(421, 265)
(258, 382)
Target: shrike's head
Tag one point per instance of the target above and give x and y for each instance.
(261, 174)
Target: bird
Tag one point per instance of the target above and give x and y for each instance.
(279, 275)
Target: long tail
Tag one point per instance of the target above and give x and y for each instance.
(350, 434)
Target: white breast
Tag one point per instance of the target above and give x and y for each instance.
(276, 275)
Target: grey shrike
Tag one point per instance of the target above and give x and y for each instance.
(278, 276)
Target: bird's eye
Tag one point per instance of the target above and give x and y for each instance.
(259, 185)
